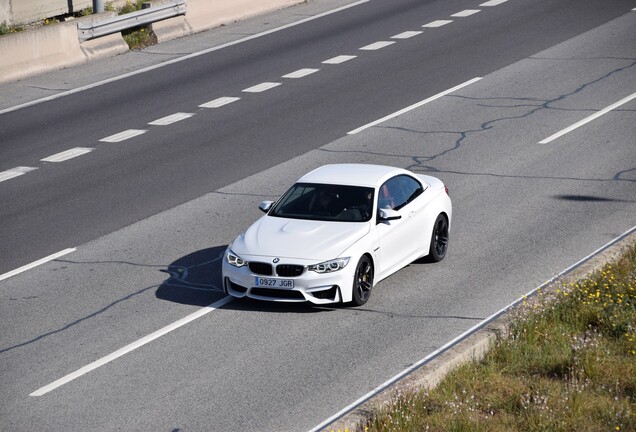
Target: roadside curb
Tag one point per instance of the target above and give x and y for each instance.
(472, 347)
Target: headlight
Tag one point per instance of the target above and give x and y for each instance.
(329, 266)
(234, 259)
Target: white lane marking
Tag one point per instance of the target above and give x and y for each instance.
(465, 13)
(36, 263)
(406, 35)
(186, 57)
(261, 87)
(412, 107)
(438, 23)
(301, 73)
(171, 119)
(68, 154)
(217, 103)
(122, 136)
(377, 45)
(493, 3)
(131, 347)
(339, 59)
(15, 172)
(471, 330)
(588, 119)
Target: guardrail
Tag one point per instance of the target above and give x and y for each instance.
(86, 31)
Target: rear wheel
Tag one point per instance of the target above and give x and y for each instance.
(362, 281)
(439, 239)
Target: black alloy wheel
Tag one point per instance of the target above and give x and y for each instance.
(362, 281)
(439, 239)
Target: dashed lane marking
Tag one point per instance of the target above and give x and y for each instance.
(219, 102)
(406, 35)
(14, 172)
(377, 45)
(437, 23)
(68, 154)
(301, 73)
(493, 3)
(171, 119)
(36, 263)
(412, 107)
(261, 87)
(466, 13)
(122, 136)
(588, 119)
(131, 347)
(339, 59)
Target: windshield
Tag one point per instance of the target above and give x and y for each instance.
(325, 202)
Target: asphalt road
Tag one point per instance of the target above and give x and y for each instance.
(150, 215)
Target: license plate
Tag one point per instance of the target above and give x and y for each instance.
(274, 283)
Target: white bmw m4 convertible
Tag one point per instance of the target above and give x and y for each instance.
(338, 231)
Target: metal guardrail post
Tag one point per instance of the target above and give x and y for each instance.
(119, 23)
(98, 6)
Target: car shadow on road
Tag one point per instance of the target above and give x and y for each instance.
(195, 279)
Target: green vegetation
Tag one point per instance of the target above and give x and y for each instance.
(5, 29)
(567, 364)
(130, 6)
(139, 37)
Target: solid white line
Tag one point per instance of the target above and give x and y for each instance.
(377, 45)
(217, 103)
(443, 348)
(300, 73)
(588, 119)
(438, 23)
(171, 119)
(339, 59)
(406, 35)
(261, 87)
(68, 154)
(36, 263)
(131, 347)
(186, 57)
(493, 3)
(122, 136)
(412, 107)
(466, 13)
(15, 172)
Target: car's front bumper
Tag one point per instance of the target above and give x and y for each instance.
(317, 288)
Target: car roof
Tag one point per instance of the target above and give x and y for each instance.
(352, 174)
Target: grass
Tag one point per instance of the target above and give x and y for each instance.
(568, 363)
(139, 37)
(6, 29)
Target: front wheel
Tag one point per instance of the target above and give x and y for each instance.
(439, 239)
(362, 281)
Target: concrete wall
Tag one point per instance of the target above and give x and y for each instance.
(53, 47)
(15, 12)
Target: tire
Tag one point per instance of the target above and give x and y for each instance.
(439, 239)
(362, 281)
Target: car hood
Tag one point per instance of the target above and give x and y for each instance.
(300, 239)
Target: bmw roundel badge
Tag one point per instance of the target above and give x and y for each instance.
(276, 260)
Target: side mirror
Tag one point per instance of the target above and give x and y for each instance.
(388, 215)
(265, 206)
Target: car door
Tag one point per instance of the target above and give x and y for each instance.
(395, 236)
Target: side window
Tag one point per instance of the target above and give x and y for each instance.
(411, 187)
(391, 194)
